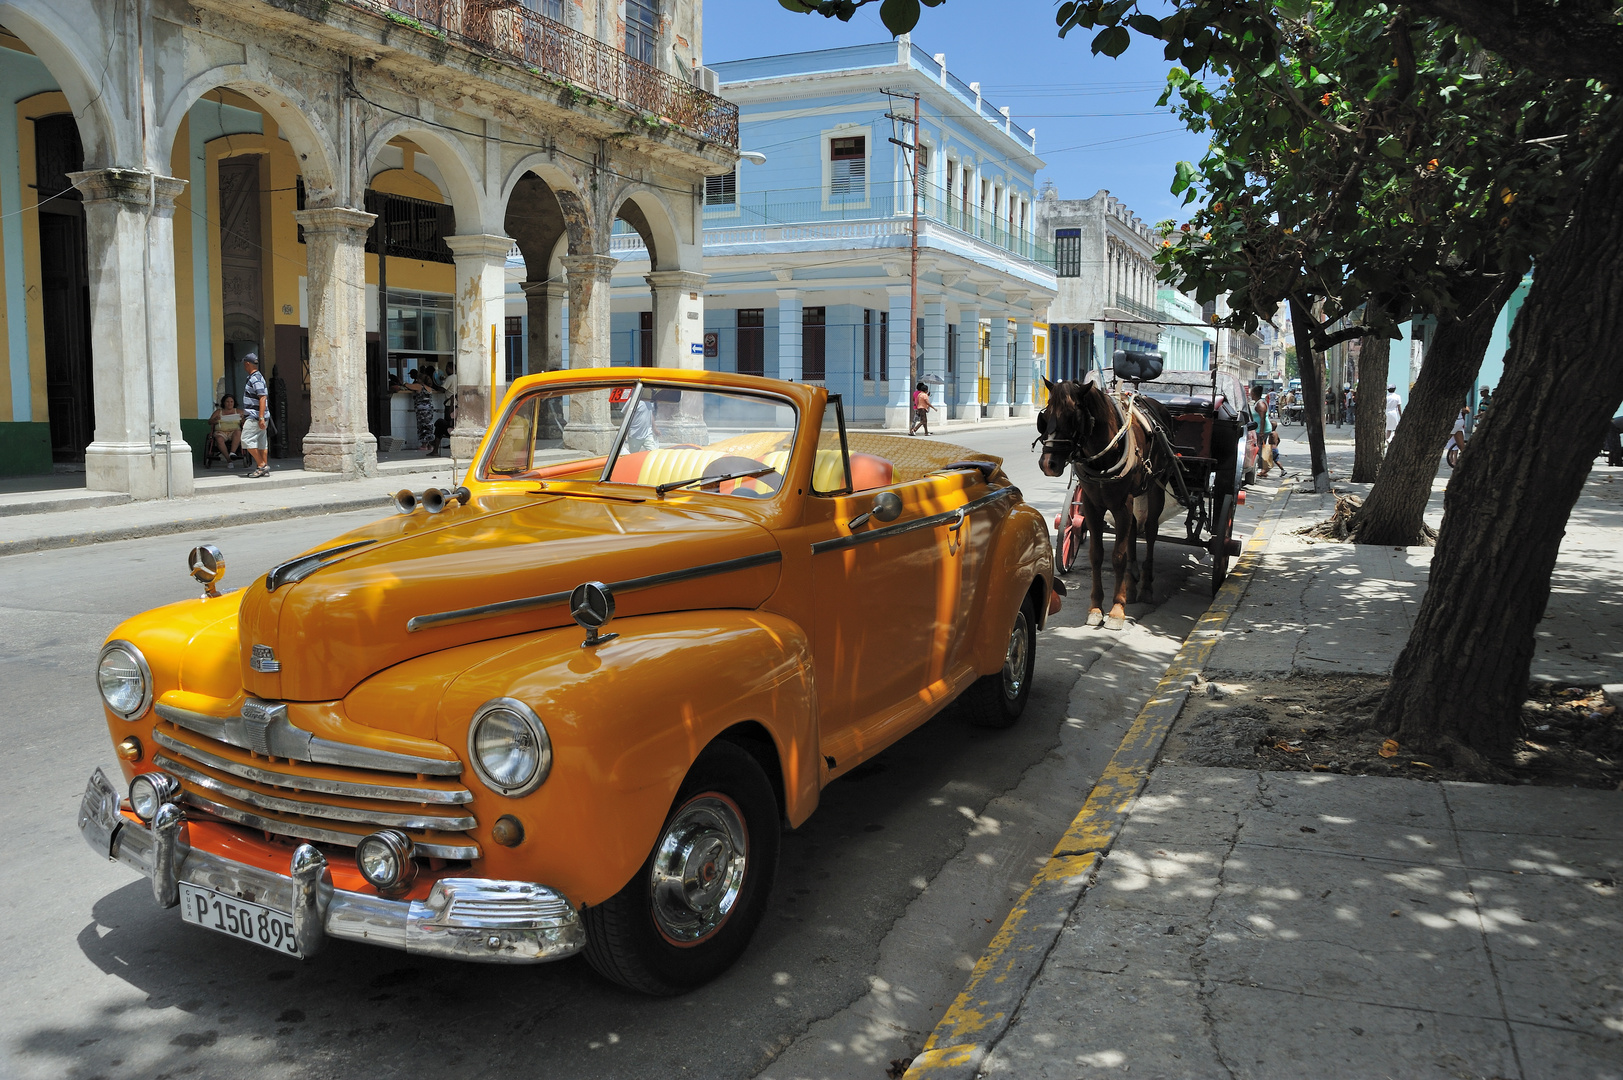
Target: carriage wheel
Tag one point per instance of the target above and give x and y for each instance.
(1222, 531)
(1073, 531)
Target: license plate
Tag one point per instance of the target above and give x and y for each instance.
(238, 918)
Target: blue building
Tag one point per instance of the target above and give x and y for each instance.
(806, 257)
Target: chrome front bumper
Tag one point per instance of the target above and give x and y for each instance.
(498, 922)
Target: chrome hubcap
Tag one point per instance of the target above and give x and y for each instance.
(699, 868)
(1014, 662)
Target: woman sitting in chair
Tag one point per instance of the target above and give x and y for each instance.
(225, 428)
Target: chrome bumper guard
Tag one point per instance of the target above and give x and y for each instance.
(498, 922)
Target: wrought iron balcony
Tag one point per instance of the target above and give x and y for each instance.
(1134, 307)
(507, 31)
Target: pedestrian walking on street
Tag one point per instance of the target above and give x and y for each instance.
(1265, 431)
(255, 417)
(1394, 412)
(921, 410)
(442, 428)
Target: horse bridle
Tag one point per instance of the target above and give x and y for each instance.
(1087, 465)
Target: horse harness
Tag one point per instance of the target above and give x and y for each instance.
(1089, 467)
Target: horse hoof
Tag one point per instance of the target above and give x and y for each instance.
(1116, 622)
(1096, 618)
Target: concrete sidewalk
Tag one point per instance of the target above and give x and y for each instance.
(1243, 923)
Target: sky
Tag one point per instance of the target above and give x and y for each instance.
(1096, 119)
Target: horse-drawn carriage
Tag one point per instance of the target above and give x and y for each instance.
(1181, 449)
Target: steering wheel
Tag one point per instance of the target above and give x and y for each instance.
(737, 463)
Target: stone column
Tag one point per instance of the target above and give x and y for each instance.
(589, 278)
(789, 334)
(997, 367)
(969, 365)
(481, 305)
(544, 305)
(339, 440)
(1023, 403)
(129, 236)
(898, 409)
(678, 317)
(934, 310)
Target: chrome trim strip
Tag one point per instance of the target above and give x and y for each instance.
(298, 569)
(281, 739)
(504, 607)
(277, 826)
(479, 919)
(483, 611)
(352, 815)
(319, 785)
(839, 543)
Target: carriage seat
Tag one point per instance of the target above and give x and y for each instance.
(1191, 435)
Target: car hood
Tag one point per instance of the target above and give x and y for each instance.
(418, 584)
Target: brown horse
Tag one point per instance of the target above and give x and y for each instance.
(1117, 459)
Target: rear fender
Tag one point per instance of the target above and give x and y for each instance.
(627, 719)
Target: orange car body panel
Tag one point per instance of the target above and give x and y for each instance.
(833, 654)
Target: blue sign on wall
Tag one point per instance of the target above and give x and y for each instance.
(696, 349)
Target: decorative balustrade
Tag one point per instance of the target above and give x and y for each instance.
(508, 31)
(1134, 307)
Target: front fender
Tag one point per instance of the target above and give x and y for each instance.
(1021, 553)
(626, 720)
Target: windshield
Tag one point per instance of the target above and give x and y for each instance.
(671, 439)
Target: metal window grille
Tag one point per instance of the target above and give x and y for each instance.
(515, 346)
(867, 343)
(410, 228)
(1068, 252)
(645, 339)
(751, 341)
(721, 190)
(848, 169)
(813, 340)
(952, 349)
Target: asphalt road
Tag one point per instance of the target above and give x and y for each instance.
(883, 900)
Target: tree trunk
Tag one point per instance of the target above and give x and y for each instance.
(1459, 684)
(1369, 425)
(1312, 393)
(1394, 513)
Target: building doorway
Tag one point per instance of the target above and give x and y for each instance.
(64, 289)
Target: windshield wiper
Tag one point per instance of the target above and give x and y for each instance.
(706, 481)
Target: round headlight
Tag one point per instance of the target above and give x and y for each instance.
(509, 746)
(385, 859)
(151, 790)
(124, 679)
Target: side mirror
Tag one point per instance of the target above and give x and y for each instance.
(887, 506)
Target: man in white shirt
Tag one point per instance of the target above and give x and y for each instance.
(1394, 412)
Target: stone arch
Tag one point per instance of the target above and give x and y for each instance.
(295, 116)
(565, 188)
(646, 211)
(453, 163)
(50, 34)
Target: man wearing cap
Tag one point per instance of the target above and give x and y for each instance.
(256, 410)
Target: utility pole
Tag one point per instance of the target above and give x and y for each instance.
(911, 156)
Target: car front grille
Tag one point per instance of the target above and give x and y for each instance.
(258, 770)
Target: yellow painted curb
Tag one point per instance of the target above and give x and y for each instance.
(997, 984)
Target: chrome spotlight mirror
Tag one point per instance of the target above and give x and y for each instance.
(887, 506)
(592, 606)
(207, 566)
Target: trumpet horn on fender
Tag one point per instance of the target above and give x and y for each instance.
(435, 501)
(404, 501)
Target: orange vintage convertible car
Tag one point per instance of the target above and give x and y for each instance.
(403, 737)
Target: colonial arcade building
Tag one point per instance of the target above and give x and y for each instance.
(337, 187)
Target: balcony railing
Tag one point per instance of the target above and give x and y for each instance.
(801, 214)
(507, 31)
(1135, 307)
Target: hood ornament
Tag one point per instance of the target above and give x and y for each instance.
(592, 605)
